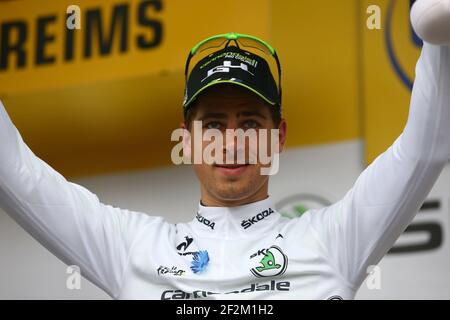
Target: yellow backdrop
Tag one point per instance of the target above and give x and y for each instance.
(95, 113)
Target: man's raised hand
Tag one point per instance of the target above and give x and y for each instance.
(431, 20)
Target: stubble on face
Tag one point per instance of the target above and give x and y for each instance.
(231, 107)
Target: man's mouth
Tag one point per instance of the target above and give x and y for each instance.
(231, 169)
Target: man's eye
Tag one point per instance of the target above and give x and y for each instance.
(251, 124)
(213, 125)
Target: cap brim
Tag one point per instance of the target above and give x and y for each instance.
(229, 81)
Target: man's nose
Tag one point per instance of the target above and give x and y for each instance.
(230, 134)
(233, 150)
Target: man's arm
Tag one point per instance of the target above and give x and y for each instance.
(357, 231)
(65, 217)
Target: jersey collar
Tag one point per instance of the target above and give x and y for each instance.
(247, 220)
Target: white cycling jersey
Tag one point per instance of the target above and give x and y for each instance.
(246, 252)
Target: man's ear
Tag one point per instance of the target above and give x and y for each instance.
(282, 134)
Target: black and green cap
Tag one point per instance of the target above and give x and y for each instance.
(236, 66)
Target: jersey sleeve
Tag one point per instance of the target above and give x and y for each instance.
(65, 217)
(357, 231)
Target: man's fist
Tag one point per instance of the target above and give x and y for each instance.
(431, 20)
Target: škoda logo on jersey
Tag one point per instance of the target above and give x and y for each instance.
(260, 216)
(205, 221)
(269, 262)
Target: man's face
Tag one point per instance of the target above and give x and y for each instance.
(225, 107)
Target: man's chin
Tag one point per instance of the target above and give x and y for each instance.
(233, 193)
